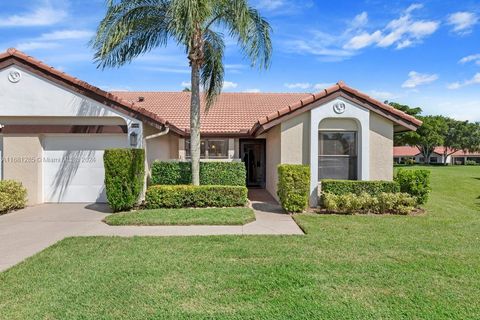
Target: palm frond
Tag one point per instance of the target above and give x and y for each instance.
(129, 29)
(250, 29)
(212, 72)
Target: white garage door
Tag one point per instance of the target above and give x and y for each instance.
(73, 166)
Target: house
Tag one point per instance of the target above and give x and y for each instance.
(403, 153)
(55, 128)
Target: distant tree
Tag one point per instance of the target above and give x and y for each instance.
(429, 135)
(457, 137)
(399, 139)
(186, 89)
(407, 109)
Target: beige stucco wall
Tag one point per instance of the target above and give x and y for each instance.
(381, 148)
(295, 140)
(164, 147)
(22, 162)
(273, 158)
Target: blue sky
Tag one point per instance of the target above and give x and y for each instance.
(423, 53)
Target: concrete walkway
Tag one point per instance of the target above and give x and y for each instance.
(28, 231)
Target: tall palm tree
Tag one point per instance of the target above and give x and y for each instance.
(133, 27)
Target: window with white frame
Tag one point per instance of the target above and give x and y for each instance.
(213, 148)
(337, 155)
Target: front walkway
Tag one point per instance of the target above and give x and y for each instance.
(26, 232)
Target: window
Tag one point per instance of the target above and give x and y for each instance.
(210, 148)
(337, 155)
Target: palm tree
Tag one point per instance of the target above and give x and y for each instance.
(133, 27)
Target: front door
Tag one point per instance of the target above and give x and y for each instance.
(252, 152)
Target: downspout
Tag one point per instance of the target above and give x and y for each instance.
(165, 131)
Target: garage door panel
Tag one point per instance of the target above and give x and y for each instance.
(76, 173)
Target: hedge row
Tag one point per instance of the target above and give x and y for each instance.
(341, 187)
(293, 186)
(350, 203)
(13, 195)
(211, 173)
(124, 177)
(185, 196)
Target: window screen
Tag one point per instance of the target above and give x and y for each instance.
(337, 155)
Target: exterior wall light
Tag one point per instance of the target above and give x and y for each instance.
(133, 139)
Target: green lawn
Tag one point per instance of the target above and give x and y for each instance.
(346, 267)
(206, 216)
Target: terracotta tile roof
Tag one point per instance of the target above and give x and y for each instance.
(339, 87)
(409, 151)
(232, 113)
(14, 53)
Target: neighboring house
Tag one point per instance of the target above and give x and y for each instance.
(55, 128)
(402, 153)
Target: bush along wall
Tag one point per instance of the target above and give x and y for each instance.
(341, 187)
(124, 177)
(185, 196)
(13, 195)
(414, 182)
(211, 173)
(293, 186)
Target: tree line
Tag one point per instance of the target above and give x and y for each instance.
(438, 131)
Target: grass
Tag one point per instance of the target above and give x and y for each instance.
(346, 267)
(204, 216)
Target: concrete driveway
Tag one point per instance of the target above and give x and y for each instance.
(28, 231)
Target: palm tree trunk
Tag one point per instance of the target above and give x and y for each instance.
(195, 124)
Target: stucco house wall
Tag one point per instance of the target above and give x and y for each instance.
(381, 148)
(273, 148)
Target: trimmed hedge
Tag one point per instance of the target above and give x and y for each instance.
(13, 195)
(293, 186)
(414, 182)
(350, 203)
(211, 173)
(185, 196)
(171, 173)
(124, 177)
(374, 188)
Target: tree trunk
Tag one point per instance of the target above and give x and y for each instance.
(195, 124)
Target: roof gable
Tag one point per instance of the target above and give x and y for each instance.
(14, 57)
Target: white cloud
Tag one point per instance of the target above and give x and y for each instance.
(322, 85)
(401, 33)
(360, 20)
(254, 90)
(458, 85)
(298, 85)
(66, 35)
(363, 40)
(416, 79)
(36, 45)
(45, 15)
(383, 95)
(226, 85)
(471, 58)
(271, 4)
(229, 85)
(462, 22)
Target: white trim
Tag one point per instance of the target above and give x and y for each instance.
(352, 111)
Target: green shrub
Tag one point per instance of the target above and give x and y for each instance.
(373, 188)
(124, 177)
(414, 182)
(223, 173)
(410, 162)
(13, 195)
(293, 186)
(471, 163)
(211, 173)
(184, 196)
(171, 173)
(350, 203)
